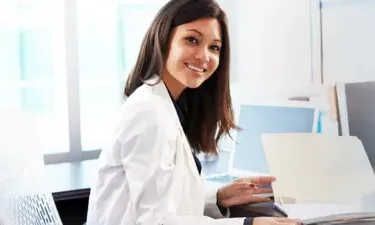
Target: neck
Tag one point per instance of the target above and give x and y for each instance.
(175, 87)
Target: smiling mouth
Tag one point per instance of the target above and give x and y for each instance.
(197, 69)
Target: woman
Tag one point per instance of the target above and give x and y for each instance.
(178, 105)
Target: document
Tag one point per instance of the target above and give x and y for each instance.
(319, 176)
(312, 213)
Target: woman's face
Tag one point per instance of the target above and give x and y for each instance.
(194, 53)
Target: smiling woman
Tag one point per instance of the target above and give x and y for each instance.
(194, 54)
(178, 105)
(196, 70)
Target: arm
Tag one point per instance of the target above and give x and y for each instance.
(214, 210)
(142, 152)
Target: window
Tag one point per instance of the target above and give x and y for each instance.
(99, 70)
(66, 63)
(109, 38)
(31, 68)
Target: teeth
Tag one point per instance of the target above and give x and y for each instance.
(195, 68)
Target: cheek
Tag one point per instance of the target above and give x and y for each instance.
(175, 57)
(215, 63)
(178, 52)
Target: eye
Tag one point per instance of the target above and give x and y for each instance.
(192, 40)
(215, 47)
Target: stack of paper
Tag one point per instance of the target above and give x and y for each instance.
(311, 213)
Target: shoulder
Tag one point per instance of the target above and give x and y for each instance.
(142, 102)
(142, 111)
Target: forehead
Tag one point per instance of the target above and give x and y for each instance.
(209, 27)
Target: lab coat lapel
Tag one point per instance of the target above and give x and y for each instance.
(162, 91)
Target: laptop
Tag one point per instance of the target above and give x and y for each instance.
(246, 155)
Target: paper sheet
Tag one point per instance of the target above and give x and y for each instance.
(320, 168)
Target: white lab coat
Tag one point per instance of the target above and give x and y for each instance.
(148, 176)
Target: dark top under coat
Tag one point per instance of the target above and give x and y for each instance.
(180, 106)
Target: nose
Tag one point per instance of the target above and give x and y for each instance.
(203, 55)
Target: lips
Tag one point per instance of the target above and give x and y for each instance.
(196, 68)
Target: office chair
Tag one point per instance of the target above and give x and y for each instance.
(23, 198)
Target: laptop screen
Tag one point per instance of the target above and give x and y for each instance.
(256, 120)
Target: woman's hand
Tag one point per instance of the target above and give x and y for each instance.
(275, 221)
(242, 191)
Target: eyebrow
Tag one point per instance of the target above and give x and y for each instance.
(201, 34)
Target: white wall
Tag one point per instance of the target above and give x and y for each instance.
(277, 52)
(274, 50)
(273, 45)
(230, 8)
(348, 40)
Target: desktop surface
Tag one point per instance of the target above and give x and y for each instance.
(70, 180)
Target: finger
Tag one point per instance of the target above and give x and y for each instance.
(287, 220)
(247, 196)
(235, 188)
(243, 185)
(263, 191)
(288, 223)
(263, 180)
(259, 180)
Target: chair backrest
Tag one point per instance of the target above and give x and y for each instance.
(38, 209)
(23, 197)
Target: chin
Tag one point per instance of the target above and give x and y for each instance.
(194, 84)
(194, 81)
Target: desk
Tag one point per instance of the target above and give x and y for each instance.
(71, 181)
(68, 181)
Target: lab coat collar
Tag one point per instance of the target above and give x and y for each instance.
(161, 90)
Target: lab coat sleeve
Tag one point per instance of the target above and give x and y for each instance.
(149, 177)
(211, 209)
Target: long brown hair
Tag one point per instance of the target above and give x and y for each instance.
(209, 107)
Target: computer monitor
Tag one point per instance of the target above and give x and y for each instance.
(257, 117)
(356, 113)
(256, 120)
